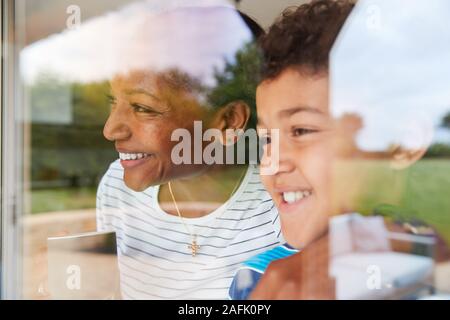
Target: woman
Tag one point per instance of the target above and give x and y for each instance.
(218, 214)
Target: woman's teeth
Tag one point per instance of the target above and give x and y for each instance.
(132, 156)
(292, 196)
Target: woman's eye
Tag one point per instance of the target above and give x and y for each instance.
(141, 108)
(302, 131)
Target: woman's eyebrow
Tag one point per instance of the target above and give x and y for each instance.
(141, 91)
(291, 111)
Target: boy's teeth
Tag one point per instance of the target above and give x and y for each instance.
(132, 156)
(293, 196)
(289, 197)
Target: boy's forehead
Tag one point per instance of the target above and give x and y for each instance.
(293, 92)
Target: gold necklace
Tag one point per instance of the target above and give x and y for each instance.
(194, 247)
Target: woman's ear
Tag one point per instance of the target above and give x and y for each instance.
(234, 116)
(402, 158)
(232, 120)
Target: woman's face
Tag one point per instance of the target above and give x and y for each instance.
(145, 110)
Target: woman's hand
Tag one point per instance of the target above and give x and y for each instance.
(301, 276)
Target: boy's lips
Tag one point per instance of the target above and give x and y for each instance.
(293, 200)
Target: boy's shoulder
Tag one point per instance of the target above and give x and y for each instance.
(248, 275)
(261, 261)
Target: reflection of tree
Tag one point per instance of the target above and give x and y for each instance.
(446, 121)
(440, 149)
(69, 150)
(238, 80)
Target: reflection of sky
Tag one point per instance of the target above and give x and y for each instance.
(391, 66)
(141, 35)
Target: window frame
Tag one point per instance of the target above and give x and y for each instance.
(12, 152)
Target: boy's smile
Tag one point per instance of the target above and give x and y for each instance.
(295, 199)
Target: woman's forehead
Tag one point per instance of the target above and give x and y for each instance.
(141, 79)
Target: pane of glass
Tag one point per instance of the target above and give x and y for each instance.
(77, 62)
(65, 107)
(389, 76)
(75, 66)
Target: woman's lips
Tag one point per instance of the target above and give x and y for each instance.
(127, 164)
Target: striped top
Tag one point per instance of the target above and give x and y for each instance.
(154, 259)
(251, 271)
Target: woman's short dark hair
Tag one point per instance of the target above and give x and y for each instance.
(302, 37)
(256, 30)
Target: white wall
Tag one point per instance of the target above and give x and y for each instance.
(266, 11)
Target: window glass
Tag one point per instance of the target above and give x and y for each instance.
(389, 92)
(75, 63)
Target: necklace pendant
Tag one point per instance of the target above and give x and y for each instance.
(194, 247)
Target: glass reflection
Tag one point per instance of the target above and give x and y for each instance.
(358, 192)
(389, 95)
(162, 66)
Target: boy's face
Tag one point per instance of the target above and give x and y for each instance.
(144, 113)
(297, 105)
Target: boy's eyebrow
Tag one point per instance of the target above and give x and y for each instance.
(141, 91)
(291, 111)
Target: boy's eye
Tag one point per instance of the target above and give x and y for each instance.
(111, 99)
(302, 131)
(264, 140)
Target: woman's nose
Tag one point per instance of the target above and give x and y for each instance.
(116, 127)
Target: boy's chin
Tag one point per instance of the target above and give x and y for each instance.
(303, 228)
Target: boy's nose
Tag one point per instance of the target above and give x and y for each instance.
(116, 127)
(287, 157)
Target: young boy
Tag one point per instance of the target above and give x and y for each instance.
(322, 171)
(293, 97)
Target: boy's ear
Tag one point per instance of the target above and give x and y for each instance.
(402, 158)
(234, 115)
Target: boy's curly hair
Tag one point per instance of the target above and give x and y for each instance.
(302, 37)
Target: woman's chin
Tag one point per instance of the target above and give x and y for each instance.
(137, 185)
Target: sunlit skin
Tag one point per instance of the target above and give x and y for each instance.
(145, 110)
(296, 103)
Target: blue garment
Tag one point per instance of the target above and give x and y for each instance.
(250, 272)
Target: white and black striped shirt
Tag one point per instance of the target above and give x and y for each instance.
(154, 259)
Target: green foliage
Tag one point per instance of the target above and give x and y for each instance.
(238, 80)
(419, 193)
(438, 150)
(446, 121)
(68, 147)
